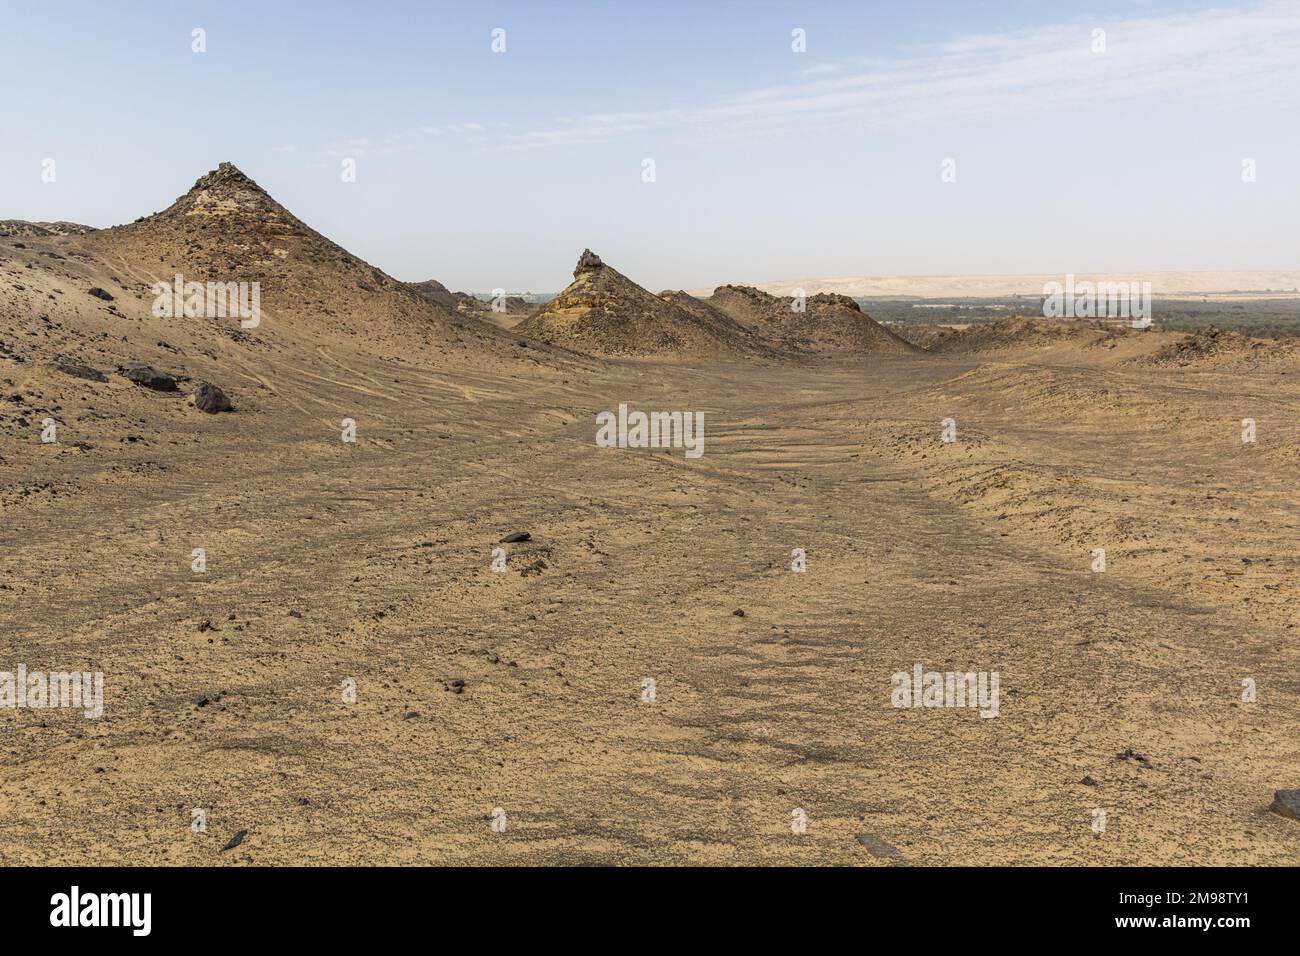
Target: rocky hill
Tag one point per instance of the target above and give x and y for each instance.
(828, 324)
(602, 312)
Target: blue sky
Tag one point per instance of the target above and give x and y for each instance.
(488, 169)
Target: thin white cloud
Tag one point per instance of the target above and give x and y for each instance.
(1220, 55)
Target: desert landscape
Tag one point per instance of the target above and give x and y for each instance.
(460, 630)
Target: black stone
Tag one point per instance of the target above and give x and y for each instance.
(210, 398)
(149, 377)
(82, 371)
(878, 847)
(1286, 803)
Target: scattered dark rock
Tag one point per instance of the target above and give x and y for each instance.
(1088, 782)
(1131, 754)
(234, 841)
(738, 613)
(1286, 803)
(199, 700)
(878, 847)
(99, 293)
(210, 398)
(456, 686)
(516, 537)
(295, 613)
(149, 377)
(410, 715)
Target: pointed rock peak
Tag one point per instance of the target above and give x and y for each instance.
(226, 177)
(225, 174)
(588, 262)
(225, 189)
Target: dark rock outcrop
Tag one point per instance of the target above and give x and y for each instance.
(149, 377)
(587, 262)
(1286, 803)
(210, 398)
(78, 370)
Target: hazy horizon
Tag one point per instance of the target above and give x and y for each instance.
(483, 169)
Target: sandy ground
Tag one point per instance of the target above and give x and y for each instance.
(371, 561)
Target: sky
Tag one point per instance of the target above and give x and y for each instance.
(1066, 149)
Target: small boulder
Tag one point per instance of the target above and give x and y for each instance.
(878, 847)
(99, 293)
(149, 377)
(1130, 754)
(1286, 803)
(516, 537)
(81, 371)
(210, 398)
